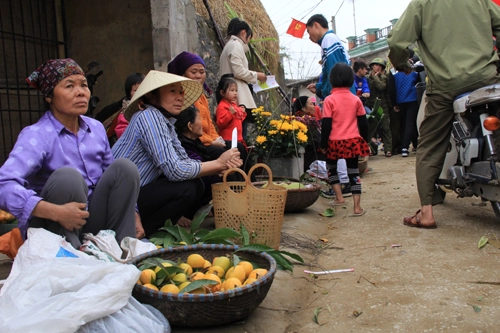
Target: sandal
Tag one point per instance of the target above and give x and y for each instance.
(388, 154)
(408, 221)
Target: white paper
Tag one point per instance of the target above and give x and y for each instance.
(234, 139)
(269, 84)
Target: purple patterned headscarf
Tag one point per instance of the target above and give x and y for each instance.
(51, 72)
(180, 64)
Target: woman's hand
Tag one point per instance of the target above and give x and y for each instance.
(226, 159)
(396, 108)
(72, 216)
(261, 77)
(139, 229)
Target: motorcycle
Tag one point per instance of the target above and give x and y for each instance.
(472, 163)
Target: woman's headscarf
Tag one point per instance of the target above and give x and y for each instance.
(180, 64)
(51, 72)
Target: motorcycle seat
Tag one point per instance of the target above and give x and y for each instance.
(484, 95)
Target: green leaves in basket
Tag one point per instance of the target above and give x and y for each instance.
(279, 256)
(197, 284)
(153, 262)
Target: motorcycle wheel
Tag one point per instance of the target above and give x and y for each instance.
(496, 208)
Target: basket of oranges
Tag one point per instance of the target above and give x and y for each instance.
(204, 285)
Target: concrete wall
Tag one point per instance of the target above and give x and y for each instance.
(116, 34)
(174, 30)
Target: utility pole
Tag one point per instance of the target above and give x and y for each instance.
(334, 25)
(354, 16)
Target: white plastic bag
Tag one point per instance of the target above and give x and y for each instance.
(134, 317)
(105, 247)
(49, 293)
(318, 169)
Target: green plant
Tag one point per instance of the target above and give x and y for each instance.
(170, 235)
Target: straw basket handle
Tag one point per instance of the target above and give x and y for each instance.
(237, 202)
(270, 184)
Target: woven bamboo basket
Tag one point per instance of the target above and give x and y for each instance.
(298, 199)
(205, 310)
(260, 210)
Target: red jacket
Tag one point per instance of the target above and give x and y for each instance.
(227, 121)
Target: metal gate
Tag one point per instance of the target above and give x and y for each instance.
(31, 31)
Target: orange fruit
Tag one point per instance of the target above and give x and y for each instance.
(196, 261)
(223, 262)
(217, 270)
(187, 268)
(179, 278)
(257, 273)
(170, 288)
(247, 266)
(207, 264)
(183, 285)
(249, 280)
(151, 286)
(237, 272)
(213, 287)
(230, 283)
(147, 276)
(197, 276)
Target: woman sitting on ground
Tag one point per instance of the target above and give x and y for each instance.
(170, 184)
(189, 130)
(61, 174)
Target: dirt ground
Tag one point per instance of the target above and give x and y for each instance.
(428, 284)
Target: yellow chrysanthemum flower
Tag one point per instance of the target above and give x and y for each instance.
(260, 139)
(266, 113)
(301, 136)
(272, 132)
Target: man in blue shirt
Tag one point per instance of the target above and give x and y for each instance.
(332, 52)
(362, 89)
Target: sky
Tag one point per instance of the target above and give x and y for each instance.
(304, 54)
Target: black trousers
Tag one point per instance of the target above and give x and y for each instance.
(164, 199)
(409, 112)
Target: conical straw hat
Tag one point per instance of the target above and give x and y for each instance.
(157, 79)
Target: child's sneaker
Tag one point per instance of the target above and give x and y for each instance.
(330, 194)
(404, 152)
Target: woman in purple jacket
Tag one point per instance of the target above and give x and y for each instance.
(61, 174)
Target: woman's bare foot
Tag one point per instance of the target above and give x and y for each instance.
(184, 222)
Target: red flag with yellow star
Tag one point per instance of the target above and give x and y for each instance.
(296, 29)
(497, 2)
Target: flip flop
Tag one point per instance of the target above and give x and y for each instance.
(333, 203)
(408, 221)
(359, 214)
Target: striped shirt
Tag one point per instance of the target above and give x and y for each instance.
(332, 52)
(150, 141)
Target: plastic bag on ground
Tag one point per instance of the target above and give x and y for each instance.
(55, 288)
(134, 317)
(105, 247)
